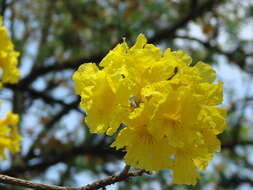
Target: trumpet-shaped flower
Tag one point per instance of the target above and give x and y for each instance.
(166, 103)
(100, 97)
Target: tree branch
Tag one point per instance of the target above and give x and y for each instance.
(169, 33)
(3, 7)
(41, 95)
(96, 185)
(72, 64)
(111, 180)
(52, 158)
(24, 183)
(238, 143)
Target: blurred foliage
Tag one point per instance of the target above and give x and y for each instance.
(55, 37)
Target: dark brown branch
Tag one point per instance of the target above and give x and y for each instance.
(52, 158)
(207, 45)
(96, 185)
(63, 112)
(235, 181)
(125, 170)
(193, 5)
(51, 123)
(234, 144)
(3, 8)
(112, 179)
(41, 95)
(72, 64)
(24, 183)
(169, 33)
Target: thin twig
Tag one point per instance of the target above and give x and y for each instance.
(111, 180)
(24, 183)
(124, 175)
(125, 170)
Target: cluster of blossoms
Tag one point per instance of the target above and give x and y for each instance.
(161, 107)
(8, 58)
(9, 136)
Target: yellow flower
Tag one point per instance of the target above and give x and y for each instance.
(99, 99)
(167, 106)
(8, 58)
(9, 136)
(143, 149)
(139, 64)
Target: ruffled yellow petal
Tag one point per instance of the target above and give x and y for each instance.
(212, 93)
(183, 56)
(184, 170)
(206, 72)
(98, 99)
(143, 150)
(213, 119)
(140, 42)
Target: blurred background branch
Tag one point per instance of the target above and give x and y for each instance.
(2, 7)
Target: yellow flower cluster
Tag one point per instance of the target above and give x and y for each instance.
(165, 105)
(9, 136)
(8, 58)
